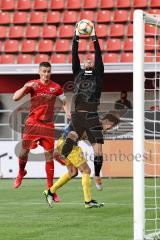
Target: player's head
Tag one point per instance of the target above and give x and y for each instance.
(123, 95)
(45, 71)
(109, 121)
(89, 64)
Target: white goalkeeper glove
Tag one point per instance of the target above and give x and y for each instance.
(76, 30)
(93, 33)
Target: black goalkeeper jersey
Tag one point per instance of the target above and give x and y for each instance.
(87, 84)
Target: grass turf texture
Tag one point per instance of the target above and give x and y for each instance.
(24, 214)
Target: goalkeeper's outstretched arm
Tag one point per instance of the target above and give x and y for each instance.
(99, 66)
(76, 67)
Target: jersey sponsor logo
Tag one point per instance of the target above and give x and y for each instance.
(52, 89)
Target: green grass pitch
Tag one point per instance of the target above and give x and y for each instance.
(24, 214)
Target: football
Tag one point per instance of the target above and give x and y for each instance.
(85, 27)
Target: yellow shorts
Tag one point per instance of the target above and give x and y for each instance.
(76, 156)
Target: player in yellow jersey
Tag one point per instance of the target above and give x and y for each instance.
(76, 161)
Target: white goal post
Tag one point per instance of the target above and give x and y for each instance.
(138, 124)
(139, 176)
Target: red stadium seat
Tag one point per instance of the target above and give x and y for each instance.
(149, 44)
(101, 30)
(36, 17)
(90, 4)
(4, 18)
(40, 4)
(110, 58)
(128, 44)
(107, 4)
(101, 43)
(62, 45)
(123, 3)
(32, 32)
(140, 3)
(58, 58)
(45, 46)
(150, 30)
(0, 46)
(24, 59)
(20, 17)
(7, 59)
(41, 58)
(74, 4)
(129, 30)
(49, 31)
(28, 46)
(70, 17)
(154, 11)
(11, 46)
(117, 30)
(24, 5)
(82, 45)
(53, 17)
(16, 32)
(155, 4)
(89, 56)
(103, 16)
(158, 44)
(7, 5)
(126, 57)
(120, 16)
(158, 57)
(66, 31)
(79, 55)
(57, 4)
(87, 15)
(113, 45)
(131, 15)
(148, 57)
(3, 31)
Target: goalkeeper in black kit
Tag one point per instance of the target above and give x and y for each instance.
(87, 93)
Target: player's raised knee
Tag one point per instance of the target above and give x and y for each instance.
(72, 135)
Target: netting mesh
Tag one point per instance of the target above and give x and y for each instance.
(152, 129)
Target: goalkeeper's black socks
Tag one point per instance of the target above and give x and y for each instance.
(98, 161)
(68, 146)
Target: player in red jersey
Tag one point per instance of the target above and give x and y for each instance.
(39, 126)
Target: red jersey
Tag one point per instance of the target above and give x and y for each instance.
(43, 98)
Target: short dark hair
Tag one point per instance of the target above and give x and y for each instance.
(124, 92)
(112, 118)
(45, 64)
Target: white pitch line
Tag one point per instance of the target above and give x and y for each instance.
(61, 203)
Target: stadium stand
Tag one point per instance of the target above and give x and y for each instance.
(40, 5)
(24, 5)
(53, 17)
(4, 18)
(35, 22)
(7, 59)
(74, 4)
(20, 18)
(41, 58)
(28, 46)
(24, 59)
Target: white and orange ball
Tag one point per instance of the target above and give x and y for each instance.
(85, 27)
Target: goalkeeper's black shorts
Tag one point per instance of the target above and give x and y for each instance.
(88, 122)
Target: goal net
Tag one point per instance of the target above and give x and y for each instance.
(146, 127)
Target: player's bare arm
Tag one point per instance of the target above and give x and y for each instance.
(23, 91)
(65, 104)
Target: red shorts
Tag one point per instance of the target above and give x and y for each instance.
(37, 133)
